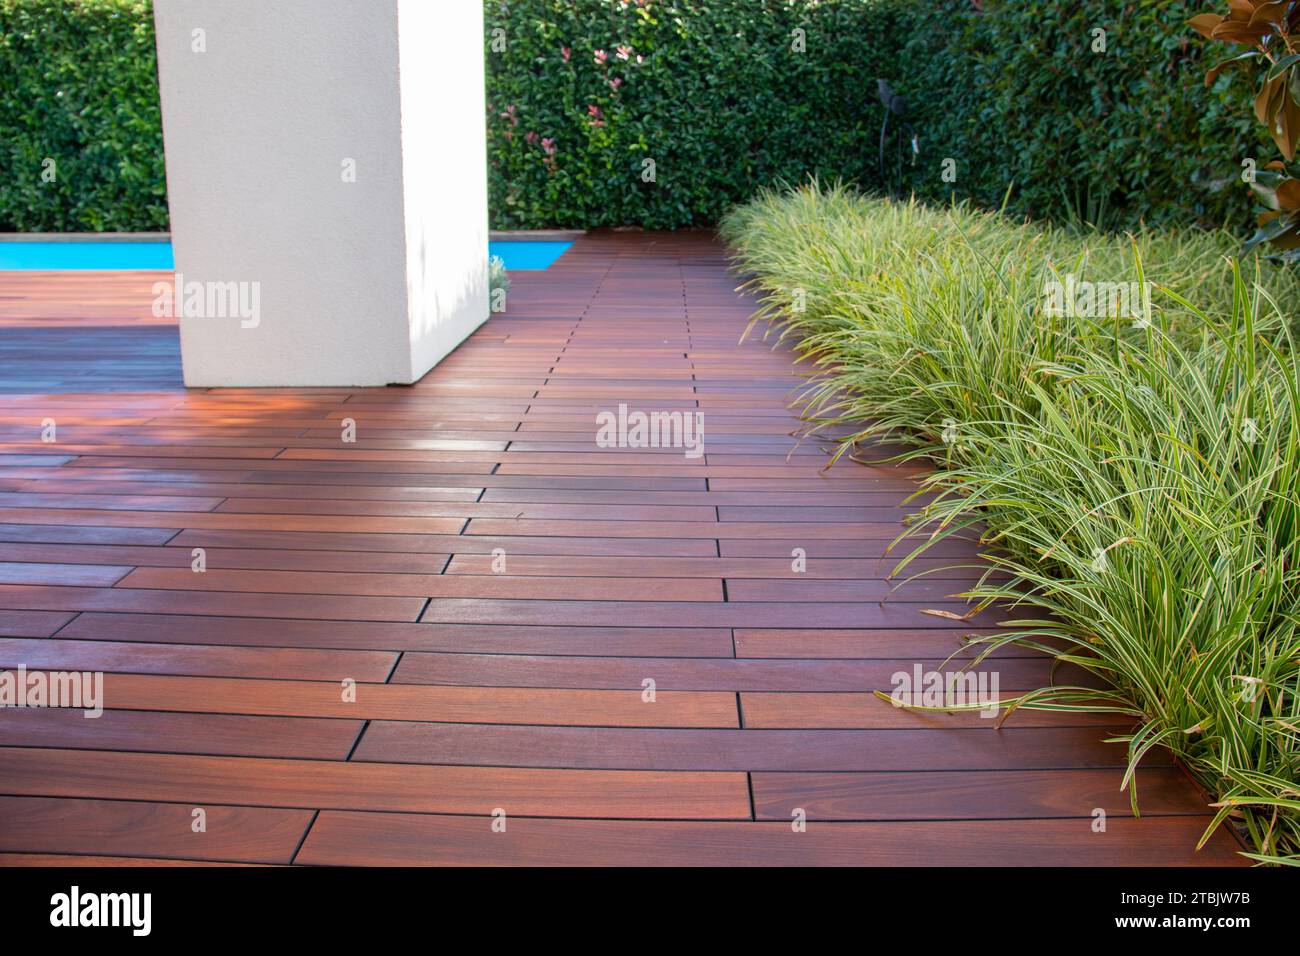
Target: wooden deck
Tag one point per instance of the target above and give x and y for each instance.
(478, 691)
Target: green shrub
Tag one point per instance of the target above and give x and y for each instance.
(80, 88)
(720, 101)
(1016, 95)
(1013, 92)
(1136, 479)
(711, 91)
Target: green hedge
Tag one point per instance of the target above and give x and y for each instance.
(712, 91)
(1016, 95)
(719, 101)
(78, 85)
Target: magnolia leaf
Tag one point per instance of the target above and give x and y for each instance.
(1270, 178)
(1291, 239)
(1286, 126)
(1205, 24)
(1288, 195)
(1269, 13)
(1267, 196)
(1236, 32)
(1213, 72)
(1282, 65)
(1266, 101)
(1272, 231)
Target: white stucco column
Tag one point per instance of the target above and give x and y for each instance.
(326, 172)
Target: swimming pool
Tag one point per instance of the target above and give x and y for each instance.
(77, 255)
(85, 255)
(525, 254)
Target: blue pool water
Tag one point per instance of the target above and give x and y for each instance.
(527, 254)
(158, 255)
(85, 255)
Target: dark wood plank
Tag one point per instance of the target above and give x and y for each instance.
(44, 825)
(202, 660)
(417, 840)
(157, 732)
(849, 710)
(510, 705)
(617, 748)
(32, 623)
(326, 607)
(498, 586)
(991, 795)
(263, 632)
(373, 786)
(725, 614)
(518, 670)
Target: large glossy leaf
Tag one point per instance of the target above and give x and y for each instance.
(1288, 195)
(1268, 100)
(1213, 73)
(1270, 14)
(1236, 31)
(1286, 125)
(1273, 230)
(1205, 23)
(1283, 64)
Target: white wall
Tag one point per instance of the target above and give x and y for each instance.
(361, 283)
(444, 159)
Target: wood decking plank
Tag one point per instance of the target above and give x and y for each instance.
(520, 670)
(470, 638)
(45, 825)
(158, 732)
(617, 748)
(374, 786)
(221, 695)
(497, 589)
(421, 840)
(325, 607)
(1000, 794)
(201, 660)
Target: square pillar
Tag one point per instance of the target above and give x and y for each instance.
(327, 178)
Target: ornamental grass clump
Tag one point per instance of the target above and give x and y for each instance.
(1117, 419)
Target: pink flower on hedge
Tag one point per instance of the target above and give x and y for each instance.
(565, 53)
(548, 146)
(509, 114)
(601, 57)
(530, 137)
(615, 83)
(594, 116)
(624, 52)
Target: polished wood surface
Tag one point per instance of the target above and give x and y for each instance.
(458, 618)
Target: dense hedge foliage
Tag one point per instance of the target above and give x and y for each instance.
(1017, 94)
(719, 96)
(715, 92)
(78, 85)
(1014, 93)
